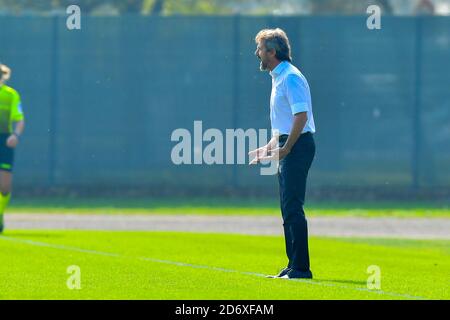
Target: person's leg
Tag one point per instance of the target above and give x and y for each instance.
(287, 231)
(295, 173)
(287, 236)
(6, 167)
(298, 227)
(5, 193)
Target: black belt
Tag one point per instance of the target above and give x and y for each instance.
(285, 136)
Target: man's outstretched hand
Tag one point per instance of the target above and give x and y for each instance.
(257, 154)
(263, 154)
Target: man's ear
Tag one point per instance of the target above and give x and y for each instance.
(272, 52)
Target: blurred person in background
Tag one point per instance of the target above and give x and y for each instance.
(425, 7)
(11, 127)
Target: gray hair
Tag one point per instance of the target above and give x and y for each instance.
(276, 39)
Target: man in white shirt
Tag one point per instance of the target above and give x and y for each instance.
(292, 144)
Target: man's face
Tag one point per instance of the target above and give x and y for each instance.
(263, 55)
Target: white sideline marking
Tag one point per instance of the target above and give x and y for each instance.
(183, 264)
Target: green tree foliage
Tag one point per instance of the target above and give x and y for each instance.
(187, 6)
(21, 6)
(347, 7)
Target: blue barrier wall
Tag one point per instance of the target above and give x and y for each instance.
(101, 102)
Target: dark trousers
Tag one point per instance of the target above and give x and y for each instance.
(292, 175)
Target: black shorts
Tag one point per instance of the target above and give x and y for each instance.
(6, 154)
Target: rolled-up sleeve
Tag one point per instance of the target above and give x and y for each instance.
(296, 93)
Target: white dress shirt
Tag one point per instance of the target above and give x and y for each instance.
(290, 95)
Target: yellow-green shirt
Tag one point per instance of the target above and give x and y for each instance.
(10, 109)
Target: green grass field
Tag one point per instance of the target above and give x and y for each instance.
(221, 206)
(169, 265)
(176, 265)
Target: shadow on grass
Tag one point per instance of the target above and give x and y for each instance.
(343, 281)
(31, 235)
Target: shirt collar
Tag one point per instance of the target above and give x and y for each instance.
(279, 69)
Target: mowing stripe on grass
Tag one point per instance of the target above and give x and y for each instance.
(183, 264)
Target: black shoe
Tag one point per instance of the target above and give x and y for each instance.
(297, 274)
(282, 273)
